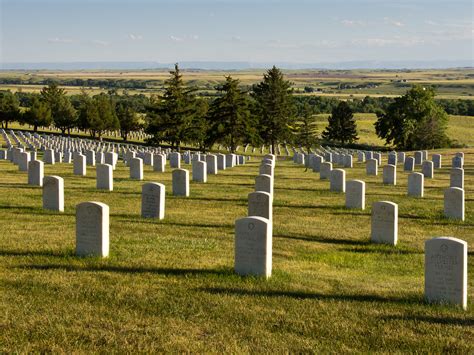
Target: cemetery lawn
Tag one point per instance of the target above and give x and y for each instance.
(169, 285)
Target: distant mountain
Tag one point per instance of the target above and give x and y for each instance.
(209, 65)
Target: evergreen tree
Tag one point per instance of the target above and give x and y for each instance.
(341, 125)
(103, 118)
(39, 113)
(9, 108)
(305, 127)
(128, 119)
(229, 116)
(169, 119)
(63, 113)
(414, 121)
(274, 107)
(199, 127)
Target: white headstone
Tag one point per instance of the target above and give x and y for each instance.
(53, 193)
(454, 203)
(427, 168)
(355, 194)
(437, 161)
(371, 167)
(180, 182)
(390, 174)
(260, 204)
(199, 171)
(446, 271)
(409, 164)
(136, 168)
(159, 163)
(211, 161)
(153, 200)
(456, 178)
(175, 160)
(384, 223)
(325, 170)
(35, 173)
(416, 184)
(253, 246)
(80, 165)
(337, 180)
(264, 183)
(104, 177)
(92, 229)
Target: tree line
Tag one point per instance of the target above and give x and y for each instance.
(266, 113)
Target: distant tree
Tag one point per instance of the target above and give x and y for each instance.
(199, 125)
(341, 125)
(128, 119)
(274, 107)
(229, 116)
(9, 108)
(63, 113)
(305, 127)
(39, 113)
(308, 89)
(414, 121)
(102, 116)
(169, 118)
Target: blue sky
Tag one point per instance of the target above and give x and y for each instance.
(296, 31)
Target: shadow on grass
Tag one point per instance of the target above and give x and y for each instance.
(322, 239)
(377, 249)
(129, 269)
(412, 299)
(49, 253)
(229, 184)
(433, 320)
(136, 218)
(243, 200)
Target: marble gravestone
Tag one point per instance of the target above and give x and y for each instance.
(427, 168)
(355, 194)
(390, 174)
(337, 180)
(446, 271)
(260, 205)
(79, 165)
(104, 177)
(211, 161)
(136, 168)
(409, 164)
(159, 163)
(35, 173)
(175, 160)
(371, 167)
(264, 183)
(153, 200)
(456, 178)
(53, 193)
(384, 223)
(180, 182)
(325, 170)
(416, 184)
(92, 229)
(454, 203)
(437, 158)
(253, 246)
(266, 169)
(199, 171)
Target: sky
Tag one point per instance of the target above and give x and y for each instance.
(295, 31)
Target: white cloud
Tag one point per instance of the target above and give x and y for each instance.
(236, 39)
(176, 39)
(353, 23)
(431, 23)
(135, 37)
(101, 43)
(60, 40)
(389, 21)
(390, 41)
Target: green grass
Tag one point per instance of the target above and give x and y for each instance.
(169, 285)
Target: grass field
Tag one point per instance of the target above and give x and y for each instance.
(450, 83)
(169, 285)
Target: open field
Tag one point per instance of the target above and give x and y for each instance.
(451, 83)
(169, 285)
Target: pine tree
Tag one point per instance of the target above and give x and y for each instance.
(39, 113)
(229, 116)
(128, 119)
(169, 119)
(341, 125)
(305, 127)
(274, 107)
(63, 113)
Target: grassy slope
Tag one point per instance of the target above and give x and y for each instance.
(169, 285)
